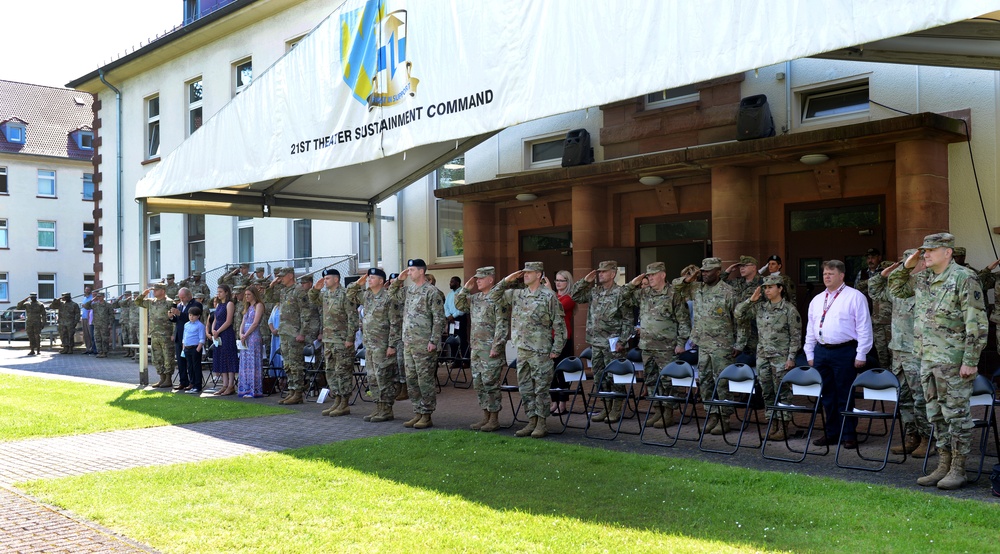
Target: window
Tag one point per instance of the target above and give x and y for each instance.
(46, 183)
(4, 287)
(547, 152)
(190, 11)
(364, 244)
(88, 186)
(672, 97)
(16, 132)
(88, 280)
(47, 235)
(196, 242)
(152, 127)
(450, 241)
(3, 180)
(242, 75)
(46, 286)
(85, 140)
(88, 236)
(154, 246)
(302, 242)
(3, 234)
(194, 93)
(244, 238)
(154, 225)
(845, 102)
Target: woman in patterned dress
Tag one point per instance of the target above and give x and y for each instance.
(251, 356)
(225, 360)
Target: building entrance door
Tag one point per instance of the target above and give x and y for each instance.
(834, 230)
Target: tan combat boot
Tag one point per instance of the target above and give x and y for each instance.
(479, 424)
(910, 443)
(295, 397)
(713, 422)
(412, 422)
(541, 429)
(655, 416)
(944, 465)
(424, 423)
(777, 431)
(376, 412)
(923, 447)
(602, 415)
(723, 427)
(336, 403)
(956, 475)
(343, 409)
(386, 414)
(402, 394)
(616, 411)
(493, 424)
(527, 429)
(668, 417)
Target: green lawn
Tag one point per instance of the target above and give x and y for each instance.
(32, 407)
(461, 491)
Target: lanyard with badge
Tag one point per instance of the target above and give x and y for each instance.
(827, 304)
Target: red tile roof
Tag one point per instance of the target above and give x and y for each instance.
(50, 116)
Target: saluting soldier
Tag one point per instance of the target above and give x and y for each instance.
(172, 287)
(195, 285)
(34, 315)
(381, 339)
(295, 329)
(340, 323)
(160, 331)
(260, 280)
(104, 316)
(744, 287)
(238, 277)
(490, 327)
(69, 316)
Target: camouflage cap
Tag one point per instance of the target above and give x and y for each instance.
(656, 267)
(534, 266)
(98, 293)
(159, 286)
(238, 289)
(170, 276)
(307, 278)
(773, 280)
(748, 260)
(68, 295)
(488, 271)
(127, 293)
(196, 275)
(245, 265)
(32, 294)
(200, 296)
(959, 250)
(908, 252)
(258, 270)
(608, 265)
(282, 271)
(938, 240)
(709, 264)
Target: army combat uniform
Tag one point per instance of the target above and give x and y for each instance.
(104, 316)
(34, 315)
(69, 317)
(423, 324)
(379, 335)
(160, 331)
(340, 323)
(490, 327)
(296, 321)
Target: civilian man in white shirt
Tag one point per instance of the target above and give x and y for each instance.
(838, 338)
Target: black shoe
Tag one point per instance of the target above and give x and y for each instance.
(825, 440)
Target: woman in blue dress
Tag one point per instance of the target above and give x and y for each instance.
(251, 362)
(225, 359)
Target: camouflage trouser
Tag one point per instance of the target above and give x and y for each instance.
(295, 366)
(420, 377)
(486, 378)
(948, 395)
(339, 361)
(34, 332)
(534, 377)
(912, 405)
(712, 359)
(653, 361)
(770, 372)
(381, 372)
(131, 333)
(400, 363)
(601, 356)
(163, 354)
(881, 333)
(102, 338)
(66, 333)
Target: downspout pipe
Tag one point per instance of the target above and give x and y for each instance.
(119, 215)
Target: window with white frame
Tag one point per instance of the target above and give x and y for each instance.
(242, 75)
(4, 287)
(154, 246)
(46, 235)
(194, 96)
(46, 183)
(46, 286)
(88, 186)
(16, 132)
(364, 244)
(88, 236)
(196, 242)
(152, 127)
(672, 97)
(544, 152)
(302, 242)
(3, 180)
(3, 234)
(828, 105)
(88, 280)
(244, 239)
(448, 214)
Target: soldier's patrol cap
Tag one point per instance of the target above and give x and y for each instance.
(307, 278)
(378, 272)
(873, 252)
(170, 275)
(773, 280)
(331, 271)
(908, 252)
(245, 265)
(656, 267)
(534, 266)
(488, 271)
(200, 295)
(98, 293)
(238, 289)
(159, 286)
(938, 240)
(416, 262)
(393, 276)
(128, 292)
(774, 258)
(195, 274)
(959, 250)
(32, 294)
(748, 260)
(68, 295)
(607, 265)
(282, 271)
(709, 264)
(258, 270)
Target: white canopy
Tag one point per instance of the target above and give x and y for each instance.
(383, 92)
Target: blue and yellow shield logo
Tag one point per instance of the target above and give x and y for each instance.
(373, 55)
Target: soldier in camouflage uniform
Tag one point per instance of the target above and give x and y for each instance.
(487, 337)
(381, 339)
(881, 310)
(780, 328)
(34, 315)
(161, 329)
(104, 316)
(745, 286)
(296, 328)
(774, 267)
(423, 324)
(125, 307)
(714, 332)
(905, 366)
(396, 320)
(609, 315)
(260, 280)
(238, 277)
(172, 287)
(950, 332)
(195, 285)
(340, 323)
(239, 304)
(69, 316)
(538, 330)
(664, 328)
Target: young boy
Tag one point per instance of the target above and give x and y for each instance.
(194, 343)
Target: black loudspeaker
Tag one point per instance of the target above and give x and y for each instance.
(576, 148)
(754, 118)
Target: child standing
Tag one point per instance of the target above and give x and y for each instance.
(194, 345)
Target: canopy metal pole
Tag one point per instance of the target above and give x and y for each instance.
(143, 352)
(374, 234)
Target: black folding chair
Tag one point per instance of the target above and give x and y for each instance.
(877, 386)
(360, 375)
(804, 384)
(984, 397)
(574, 376)
(510, 389)
(454, 360)
(313, 363)
(742, 382)
(675, 376)
(621, 373)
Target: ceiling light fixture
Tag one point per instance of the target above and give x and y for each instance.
(651, 180)
(814, 159)
(526, 197)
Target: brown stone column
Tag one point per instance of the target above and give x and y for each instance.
(921, 191)
(590, 223)
(733, 213)
(479, 234)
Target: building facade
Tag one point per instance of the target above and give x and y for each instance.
(46, 192)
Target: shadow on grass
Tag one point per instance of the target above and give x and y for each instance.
(177, 408)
